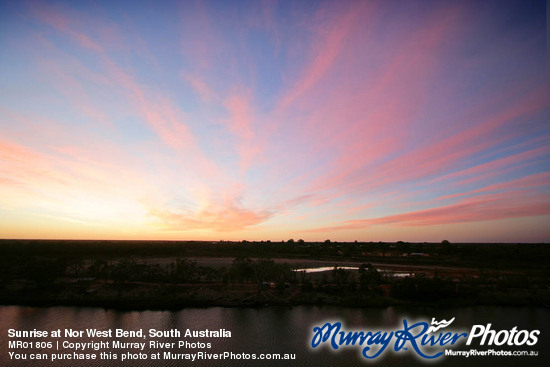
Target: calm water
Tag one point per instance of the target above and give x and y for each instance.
(277, 330)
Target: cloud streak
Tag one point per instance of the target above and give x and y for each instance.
(347, 120)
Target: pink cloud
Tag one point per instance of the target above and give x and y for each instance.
(64, 22)
(168, 121)
(76, 94)
(269, 8)
(163, 116)
(43, 177)
(358, 128)
(201, 87)
(20, 167)
(437, 158)
(240, 123)
(352, 130)
(489, 169)
(165, 119)
(225, 218)
(535, 180)
(362, 129)
(203, 45)
(503, 205)
(326, 50)
(65, 167)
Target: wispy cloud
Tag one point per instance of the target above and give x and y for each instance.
(226, 218)
(320, 118)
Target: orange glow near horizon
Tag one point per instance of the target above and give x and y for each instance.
(368, 121)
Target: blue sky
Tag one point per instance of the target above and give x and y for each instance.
(258, 120)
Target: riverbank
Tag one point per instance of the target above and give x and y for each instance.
(148, 275)
(156, 296)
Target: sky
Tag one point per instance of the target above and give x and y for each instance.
(270, 120)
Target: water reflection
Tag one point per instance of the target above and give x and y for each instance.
(320, 269)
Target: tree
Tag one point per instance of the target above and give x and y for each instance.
(404, 247)
(242, 269)
(340, 275)
(368, 275)
(445, 242)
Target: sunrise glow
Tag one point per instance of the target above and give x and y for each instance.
(270, 120)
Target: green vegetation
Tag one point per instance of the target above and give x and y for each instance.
(145, 274)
